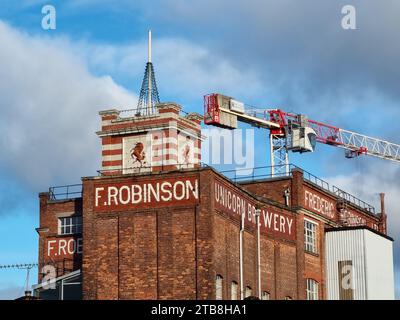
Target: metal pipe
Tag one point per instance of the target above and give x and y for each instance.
(382, 197)
(149, 47)
(257, 212)
(271, 154)
(149, 98)
(241, 256)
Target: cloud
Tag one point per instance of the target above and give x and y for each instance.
(303, 56)
(49, 104)
(51, 90)
(183, 68)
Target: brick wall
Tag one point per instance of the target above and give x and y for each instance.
(176, 250)
(50, 211)
(144, 253)
(272, 189)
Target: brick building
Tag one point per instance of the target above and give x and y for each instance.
(156, 224)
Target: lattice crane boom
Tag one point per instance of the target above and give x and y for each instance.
(356, 144)
(362, 144)
(286, 127)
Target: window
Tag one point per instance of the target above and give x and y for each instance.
(310, 236)
(234, 288)
(70, 225)
(218, 287)
(312, 289)
(265, 295)
(248, 292)
(313, 140)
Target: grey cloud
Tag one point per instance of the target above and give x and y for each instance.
(365, 182)
(298, 48)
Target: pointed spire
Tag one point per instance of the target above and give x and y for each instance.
(148, 93)
(149, 49)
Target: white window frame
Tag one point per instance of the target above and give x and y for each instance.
(312, 289)
(234, 290)
(218, 287)
(265, 295)
(248, 292)
(69, 225)
(310, 236)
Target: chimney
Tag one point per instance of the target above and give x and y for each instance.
(382, 196)
(382, 218)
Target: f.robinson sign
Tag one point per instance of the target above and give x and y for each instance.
(142, 194)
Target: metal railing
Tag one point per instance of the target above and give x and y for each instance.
(256, 173)
(260, 173)
(134, 113)
(118, 170)
(71, 191)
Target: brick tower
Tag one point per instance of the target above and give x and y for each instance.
(162, 141)
(156, 138)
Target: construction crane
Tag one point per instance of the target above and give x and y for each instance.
(293, 132)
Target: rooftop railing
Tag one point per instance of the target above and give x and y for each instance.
(259, 173)
(66, 192)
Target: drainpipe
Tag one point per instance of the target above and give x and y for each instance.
(257, 212)
(382, 223)
(241, 256)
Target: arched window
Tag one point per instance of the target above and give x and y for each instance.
(234, 290)
(248, 292)
(312, 289)
(218, 287)
(265, 295)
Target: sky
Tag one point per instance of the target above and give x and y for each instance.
(293, 55)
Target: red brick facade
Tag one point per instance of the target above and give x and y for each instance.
(176, 250)
(61, 252)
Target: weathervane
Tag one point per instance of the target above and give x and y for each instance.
(148, 93)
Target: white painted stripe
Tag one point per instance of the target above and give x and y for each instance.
(163, 140)
(114, 146)
(173, 152)
(106, 123)
(165, 162)
(112, 157)
(174, 162)
(193, 134)
(168, 115)
(112, 168)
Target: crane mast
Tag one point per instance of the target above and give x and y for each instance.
(293, 132)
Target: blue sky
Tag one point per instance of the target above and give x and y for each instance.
(288, 54)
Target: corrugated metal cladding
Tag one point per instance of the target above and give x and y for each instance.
(359, 265)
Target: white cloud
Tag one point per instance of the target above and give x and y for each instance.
(49, 103)
(183, 68)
